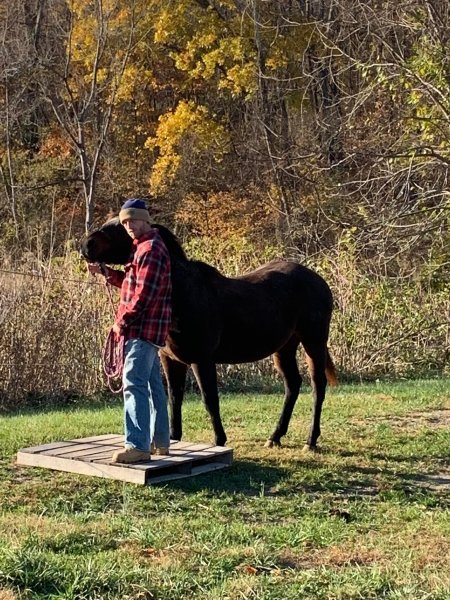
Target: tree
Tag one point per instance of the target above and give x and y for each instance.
(394, 81)
(83, 84)
(17, 103)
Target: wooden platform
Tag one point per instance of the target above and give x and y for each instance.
(92, 456)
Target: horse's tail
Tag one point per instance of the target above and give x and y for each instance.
(330, 370)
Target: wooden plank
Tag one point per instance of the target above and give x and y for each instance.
(83, 452)
(220, 449)
(44, 447)
(87, 455)
(195, 447)
(67, 443)
(78, 450)
(180, 445)
(82, 468)
(186, 445)
(159, 462)
(223, 454)
(212, 466)
(112, 438)
(183, 468)
(98, 457)
(225, 458)
(199, 470)
(200, 453)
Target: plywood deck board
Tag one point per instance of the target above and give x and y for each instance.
(92, 456)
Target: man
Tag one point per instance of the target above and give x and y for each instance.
(143, 318)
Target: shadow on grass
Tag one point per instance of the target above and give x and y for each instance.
(243, 477)
(348, 483)
(389, 456)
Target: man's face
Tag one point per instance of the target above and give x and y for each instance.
(135, 227)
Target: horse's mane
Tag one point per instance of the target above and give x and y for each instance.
(176, 251)
(171, 241)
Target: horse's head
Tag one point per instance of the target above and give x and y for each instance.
(110, 244)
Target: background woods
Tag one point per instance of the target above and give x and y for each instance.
(319, 130)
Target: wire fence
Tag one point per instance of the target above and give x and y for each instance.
(54, 321)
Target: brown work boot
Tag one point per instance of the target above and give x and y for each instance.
(161, 451)
(130, 455)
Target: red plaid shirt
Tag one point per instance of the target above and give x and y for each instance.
(145, 291)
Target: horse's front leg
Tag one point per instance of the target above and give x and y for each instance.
(206, 376)
(175, 373)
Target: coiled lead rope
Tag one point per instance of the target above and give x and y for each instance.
(113, 350)
(113, 361)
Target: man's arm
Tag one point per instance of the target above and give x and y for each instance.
(112, 276)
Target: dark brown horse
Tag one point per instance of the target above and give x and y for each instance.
(217, 319)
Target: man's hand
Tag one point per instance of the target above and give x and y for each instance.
(117, 330)
(95, 269)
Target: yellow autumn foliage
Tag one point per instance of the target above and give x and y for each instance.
(244, 214)
(99, 37)
(203, 49)
(182, 134)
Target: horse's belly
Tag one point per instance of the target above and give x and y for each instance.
(237, 357)
(238, 340)
(190, 348)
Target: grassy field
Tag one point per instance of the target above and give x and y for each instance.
(367, 517)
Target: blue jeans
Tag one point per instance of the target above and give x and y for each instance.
(145, 403)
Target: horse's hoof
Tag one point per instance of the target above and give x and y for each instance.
(308, 448)
(272, 444)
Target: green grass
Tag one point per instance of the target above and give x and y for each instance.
(366, 518)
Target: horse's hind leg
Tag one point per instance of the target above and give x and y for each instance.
(175, 373)
(286, 364)
(316, 355)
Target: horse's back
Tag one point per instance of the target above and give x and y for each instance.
(293, 279)
(263, 309)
